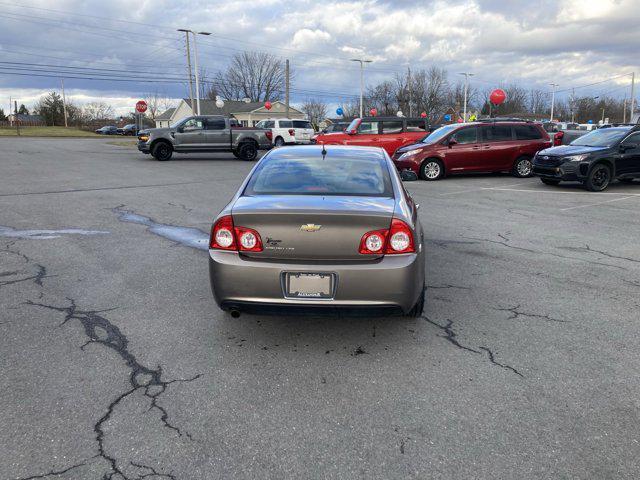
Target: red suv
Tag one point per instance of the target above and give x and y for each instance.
(484, 146)
(389, 133)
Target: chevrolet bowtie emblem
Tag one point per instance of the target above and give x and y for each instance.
(310, 227)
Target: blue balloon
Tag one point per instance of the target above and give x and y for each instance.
(447, 118)
(339, 111)
(590, 121)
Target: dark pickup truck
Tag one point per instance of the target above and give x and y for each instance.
(204, 133)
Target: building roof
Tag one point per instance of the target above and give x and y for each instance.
(208, 107)
(25, 118)
(166, 115)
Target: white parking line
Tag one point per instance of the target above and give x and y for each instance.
(560, 192)
(479, 189)
(600, 203)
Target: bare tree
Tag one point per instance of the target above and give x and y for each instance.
(430, 88)
(97, 111)
(258, 76)
(383, 97)
(538, 101)
(316, 111)
(157, 103)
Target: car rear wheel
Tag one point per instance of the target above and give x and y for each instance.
(418, 308)
(522, 167)
(279, 142)
(162, 151)
(599, 178)
(550, 181)
(431, 169)
(248, 151)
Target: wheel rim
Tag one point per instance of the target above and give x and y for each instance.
(279, 142)
(600, 177)
(524, 168)
(249, 152)
(432, 170)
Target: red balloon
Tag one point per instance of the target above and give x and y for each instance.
(373, 112)
(498, 96)
(460, 120)
(267, 105)
(423, 114)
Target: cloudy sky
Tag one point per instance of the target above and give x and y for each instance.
(570, 42)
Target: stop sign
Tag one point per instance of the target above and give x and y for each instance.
(141, 106)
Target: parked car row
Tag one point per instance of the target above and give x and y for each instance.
(128, 130)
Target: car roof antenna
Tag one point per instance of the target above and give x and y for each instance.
(324, 151)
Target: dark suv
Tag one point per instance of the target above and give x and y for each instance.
(594, 159)
(485, 146)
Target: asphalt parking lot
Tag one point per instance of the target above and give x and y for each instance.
(115, 361)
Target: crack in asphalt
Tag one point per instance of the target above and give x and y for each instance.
(101, 331)
(515, 313)
(53, 473)
(588, 249)
(188, 236)
(451, 337)
(539, 252)
(501, 365)
(448, 285)
(37, 278)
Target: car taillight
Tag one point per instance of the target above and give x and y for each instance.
(400, 239)
(269, 135)
(222, 235)
(248, 240)
(226, 236)
(292, 132)
(397, 239)
(372, 243)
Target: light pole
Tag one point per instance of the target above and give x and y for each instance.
(186, 34)
(466, 88)
(195, 64)
(362, 62)
(553, 99)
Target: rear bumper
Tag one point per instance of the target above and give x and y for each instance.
(392, 283)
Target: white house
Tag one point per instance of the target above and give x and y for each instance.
(247, 113)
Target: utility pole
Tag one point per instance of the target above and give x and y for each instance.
(362, 62)
(409, 88)
(64, 104)
(286, 87)
(553, 98)
(633, 95)
(189, 71)
(16, 118)
(195, 64)
(466, 89)
(573, 105)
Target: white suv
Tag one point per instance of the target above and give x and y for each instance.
(286, 130)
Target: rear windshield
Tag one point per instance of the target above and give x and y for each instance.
(301, 124)
(358, 174)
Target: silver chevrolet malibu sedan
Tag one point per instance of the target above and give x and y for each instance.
(319, 229)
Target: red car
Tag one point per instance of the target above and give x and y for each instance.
(485, 146)
(389, 133)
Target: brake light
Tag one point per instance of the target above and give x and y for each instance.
(269, 135)
(397, 239)
(248, 240)
(400, 238)
(222, 235)
(226, 236)
(372, 243)
(292, 132)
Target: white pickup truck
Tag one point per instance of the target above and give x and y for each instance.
(289, 131)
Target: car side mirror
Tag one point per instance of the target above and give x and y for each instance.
(180, 129)
(451, 142)
(408, 176)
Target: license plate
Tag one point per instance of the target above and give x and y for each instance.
(309, 285)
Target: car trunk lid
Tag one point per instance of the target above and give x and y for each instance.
(312, 227)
